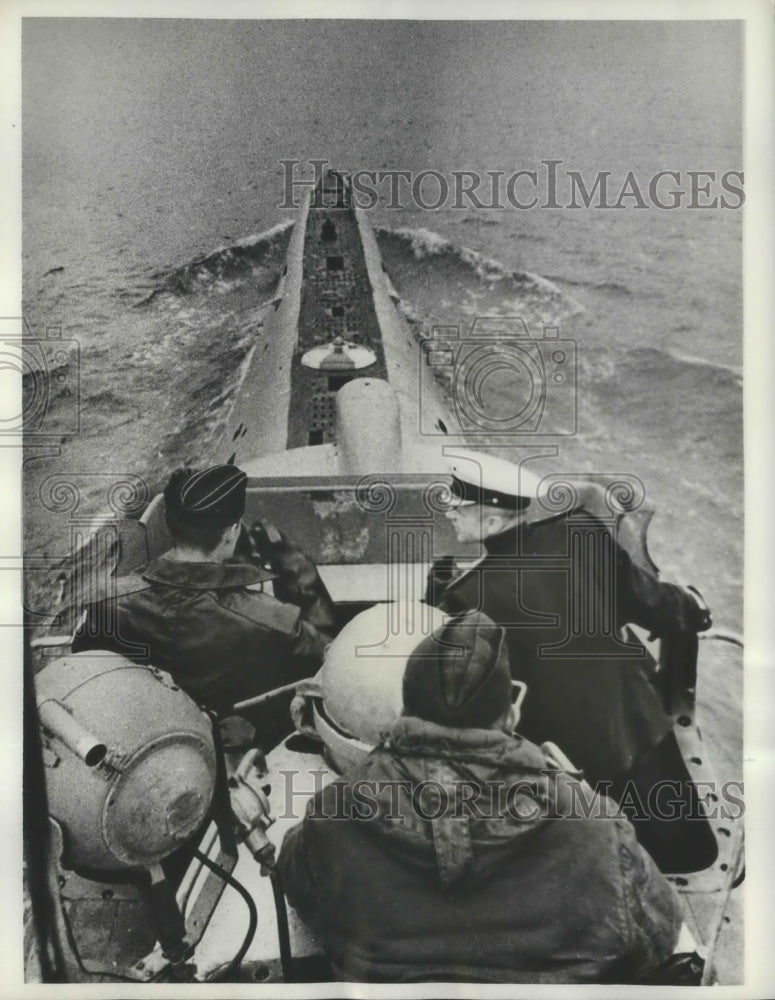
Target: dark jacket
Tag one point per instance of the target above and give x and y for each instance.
(508, 894)
(220, 641)
(563, 588)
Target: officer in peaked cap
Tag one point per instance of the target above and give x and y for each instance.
(196, 611)
(489, 494)
(564, 588)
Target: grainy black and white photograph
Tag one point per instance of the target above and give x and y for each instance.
(382, 457)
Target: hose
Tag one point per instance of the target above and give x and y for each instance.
(283, 934)
(253, 912)
(723, 635)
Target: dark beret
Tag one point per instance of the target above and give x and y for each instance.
(210, 496)
(459, 676)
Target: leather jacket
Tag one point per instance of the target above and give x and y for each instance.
(213, 627)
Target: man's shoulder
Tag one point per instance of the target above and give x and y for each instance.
(116, 587)
(259, 609)
(329, 802)
(230, 587)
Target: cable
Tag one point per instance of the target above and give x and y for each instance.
(283, 934)
(253, 912)
(723, 635)
(234, 963)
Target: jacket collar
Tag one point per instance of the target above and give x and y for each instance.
(416, 737)
(411, 731)
(204, 576)
(505, 542)
(517, 538)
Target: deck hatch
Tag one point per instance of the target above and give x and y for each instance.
(335, 382)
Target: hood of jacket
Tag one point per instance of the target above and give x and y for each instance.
(452, 799)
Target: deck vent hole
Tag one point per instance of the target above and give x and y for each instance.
(696, 760)
(684, 720)
(442, 426)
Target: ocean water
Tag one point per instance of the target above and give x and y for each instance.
(153, 237)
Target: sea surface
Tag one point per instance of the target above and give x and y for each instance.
(153, 238)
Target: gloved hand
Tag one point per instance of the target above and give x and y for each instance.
(297, 580)
(247, 550)
(266, 541)
(297, 575)
(704, 617)
(441, 572)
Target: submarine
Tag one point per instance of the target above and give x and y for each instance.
(343, 424)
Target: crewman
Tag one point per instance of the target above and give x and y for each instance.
(562, 586)
(200, 610)
(460, 851)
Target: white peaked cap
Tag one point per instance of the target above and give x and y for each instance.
(485, 479)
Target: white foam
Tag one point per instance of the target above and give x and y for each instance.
(692, 359)
(426, 243)
(265, 236)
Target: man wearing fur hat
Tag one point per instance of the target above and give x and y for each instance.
(458, 851)
(196, 612)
